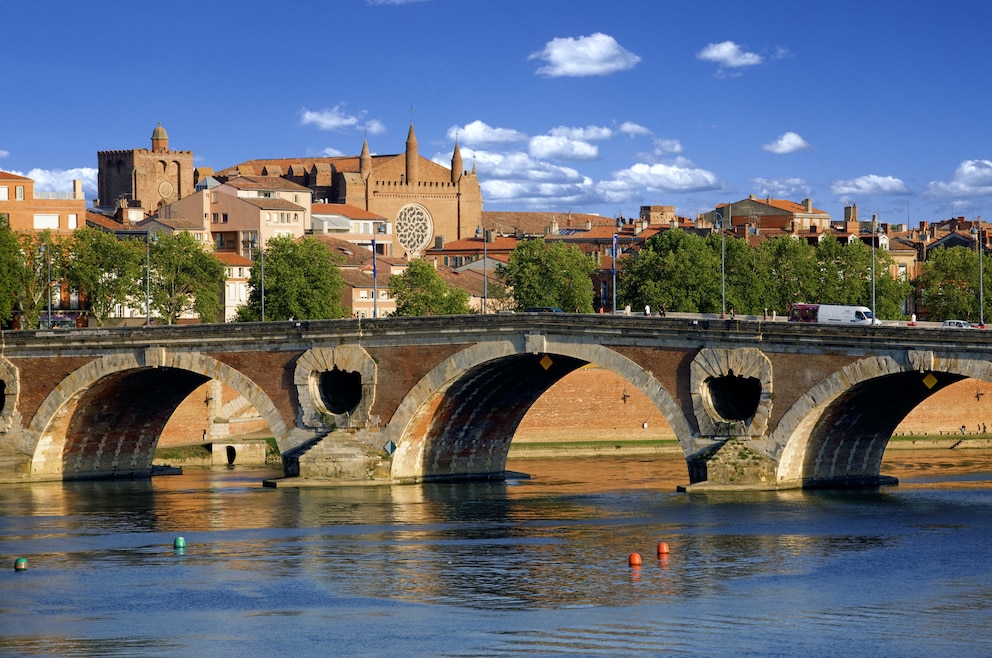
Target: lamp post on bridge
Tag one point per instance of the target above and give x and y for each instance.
(723, 262)
(876, 231)
(378, 228)
(480, 232)
(257, 245)
(150, 238)
(976, 232)
(44, 251)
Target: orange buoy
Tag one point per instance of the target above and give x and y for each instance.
(634, 560)
(662, 548)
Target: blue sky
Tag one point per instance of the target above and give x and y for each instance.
(562, 105)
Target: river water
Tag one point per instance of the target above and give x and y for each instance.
(533, 566)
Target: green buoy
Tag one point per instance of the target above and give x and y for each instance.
(21, 564)
(180, 542)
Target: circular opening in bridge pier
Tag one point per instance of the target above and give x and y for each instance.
(734, 397)
(340, 391)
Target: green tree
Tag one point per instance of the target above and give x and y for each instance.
(794, 271)
(949, 284)
(550, 274)
(11, 266)
(109, 271)
(185, 278)
(420, 290)
(40, 255)
(302, 282)
(675, 271)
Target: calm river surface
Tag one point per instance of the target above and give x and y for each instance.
(526, 567)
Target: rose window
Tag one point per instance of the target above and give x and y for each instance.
(414, 228)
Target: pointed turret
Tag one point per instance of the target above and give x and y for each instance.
(365, 161)
(456, 163)
(412, 157)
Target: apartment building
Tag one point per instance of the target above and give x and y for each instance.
(28, 210)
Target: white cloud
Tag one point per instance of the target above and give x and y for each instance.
(657, 179)
(868, 185)
(569, 143)
(667, 146)
(597, 54)
(331, 152)
(336, 119)
(781, 188)
(478, 133)
(972, 178)
(60, 180)
(516, 179)
(729, 55)
(789, 142)
(4, 154)
(560, 147)
(633, 130)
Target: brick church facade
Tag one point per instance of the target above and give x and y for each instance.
(423, 200)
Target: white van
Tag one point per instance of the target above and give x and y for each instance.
(831, 314)
(956, 324)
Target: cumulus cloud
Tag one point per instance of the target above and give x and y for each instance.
(569, 143)
(633, 130)
(972, 178)
(781, 188)
(337, 119)
(597, 54)
(515, 178)
(4, 154)
(657, 179)
(331, 152)
(868, 185)
(60, 180)
(728, 55)
(789, 142)
(561, 147)
(479, 133)
(667, 146)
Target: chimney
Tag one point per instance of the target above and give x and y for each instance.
(807, 205)
(77, 189)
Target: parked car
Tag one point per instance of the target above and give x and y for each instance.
(956, 324)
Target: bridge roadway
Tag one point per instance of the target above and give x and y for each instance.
(754, 404)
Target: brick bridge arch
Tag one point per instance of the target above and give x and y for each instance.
(105, 418)
(459, 419)
(836, 433)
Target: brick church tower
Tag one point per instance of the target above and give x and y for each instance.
(144, 178)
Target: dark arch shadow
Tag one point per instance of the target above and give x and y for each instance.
(849, 439)
(470, 432)
(115, 425)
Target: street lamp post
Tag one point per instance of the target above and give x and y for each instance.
(875, 231)
(723, 264)
(379, 227)
(614, 272)
(48, 290)
(977, 233)
(149, 239)
(256, 244)
(485, 279)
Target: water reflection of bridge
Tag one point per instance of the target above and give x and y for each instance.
(753, 404)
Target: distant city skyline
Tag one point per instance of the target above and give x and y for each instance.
(588, 107)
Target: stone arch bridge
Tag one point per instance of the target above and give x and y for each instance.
(753, 404)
